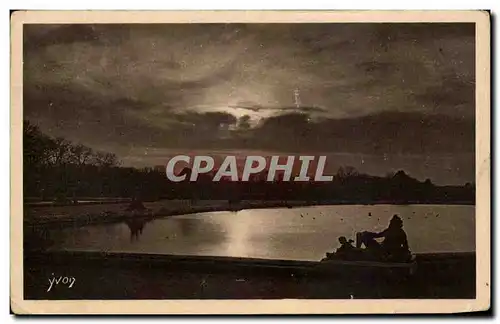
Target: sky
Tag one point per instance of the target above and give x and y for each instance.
(378, 97)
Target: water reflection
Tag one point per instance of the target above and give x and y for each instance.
(206, 230)
(298, 233)
(136, 226)
(187, 226)
(39, 238)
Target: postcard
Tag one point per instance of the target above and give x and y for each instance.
(250, 162)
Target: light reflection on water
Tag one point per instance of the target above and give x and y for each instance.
(299, 233)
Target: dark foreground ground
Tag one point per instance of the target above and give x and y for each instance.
(133, 276)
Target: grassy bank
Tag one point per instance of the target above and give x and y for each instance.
(100, 213)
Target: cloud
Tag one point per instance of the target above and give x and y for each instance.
(364, 88)
(40, 36)
(334, 65)
(258, 108)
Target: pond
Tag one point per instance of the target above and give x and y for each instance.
(304, 233)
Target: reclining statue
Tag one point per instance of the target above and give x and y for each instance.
(394, 248)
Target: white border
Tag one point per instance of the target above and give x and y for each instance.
(382, 306)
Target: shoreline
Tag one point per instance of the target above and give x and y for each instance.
(106, 216)
(48, 204)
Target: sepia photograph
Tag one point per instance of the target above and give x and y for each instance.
(250, 162)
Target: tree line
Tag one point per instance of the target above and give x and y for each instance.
(57, 169)
(41, 150)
